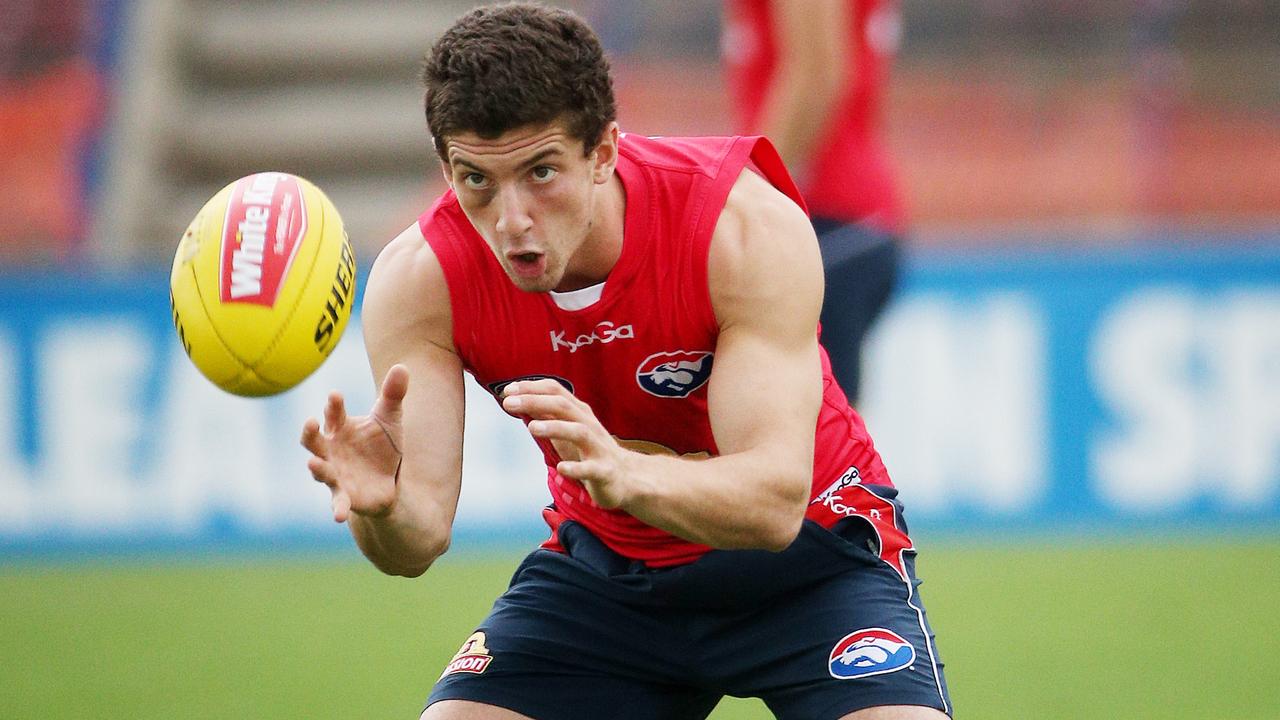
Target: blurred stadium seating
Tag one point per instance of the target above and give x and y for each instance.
(1025, 115)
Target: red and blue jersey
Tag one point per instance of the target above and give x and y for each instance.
(641, 355)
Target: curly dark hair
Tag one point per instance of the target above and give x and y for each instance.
(501, 67)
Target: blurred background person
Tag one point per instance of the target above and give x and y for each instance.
(811, 75)
(51, 95)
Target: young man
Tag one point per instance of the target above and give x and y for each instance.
(721, 523)
(812, 76)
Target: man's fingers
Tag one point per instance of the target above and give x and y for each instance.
(560, 407)
(394, 387)
(567, 431)
(322, 472)
(581, 470)
(542, 399)
(341, 501)
(571, 440)
(386, 410)
(341, 506)
(545, 386)
(335, 413)
(313, 440)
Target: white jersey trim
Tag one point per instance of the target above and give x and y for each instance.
(578, 299)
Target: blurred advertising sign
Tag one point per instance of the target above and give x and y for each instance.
(1109, 389)
(1085, 388)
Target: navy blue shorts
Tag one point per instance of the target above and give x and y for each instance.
(817, 631)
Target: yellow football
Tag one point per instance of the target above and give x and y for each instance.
(262, 284)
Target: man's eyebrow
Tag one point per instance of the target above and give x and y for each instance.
(537, 158)
(473, 166)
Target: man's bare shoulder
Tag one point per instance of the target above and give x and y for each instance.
(406, 259)
(763, 246)
(406, 290)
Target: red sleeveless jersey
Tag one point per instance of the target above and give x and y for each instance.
(641, 355)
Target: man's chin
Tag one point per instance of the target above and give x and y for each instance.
(540, 284)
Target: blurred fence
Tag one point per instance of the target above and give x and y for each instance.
(1019, 390)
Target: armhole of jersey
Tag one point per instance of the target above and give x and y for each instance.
(767, 163)
(747, 152)
(445, 242)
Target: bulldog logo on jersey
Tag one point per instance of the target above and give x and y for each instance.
(674, 374)
(873, 651)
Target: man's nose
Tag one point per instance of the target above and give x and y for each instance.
(513, 214)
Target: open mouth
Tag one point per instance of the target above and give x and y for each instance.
(527, 263)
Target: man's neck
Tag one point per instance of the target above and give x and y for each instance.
(601, 250)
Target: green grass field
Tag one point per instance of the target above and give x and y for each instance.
(1179, 629)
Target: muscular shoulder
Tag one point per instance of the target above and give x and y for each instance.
(764, 253)
(406, 294)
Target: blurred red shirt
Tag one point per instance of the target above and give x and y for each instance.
(850, 177)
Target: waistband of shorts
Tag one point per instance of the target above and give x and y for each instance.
(723, 579)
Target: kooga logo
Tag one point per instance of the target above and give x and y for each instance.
(604, 333)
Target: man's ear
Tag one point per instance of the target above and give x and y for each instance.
(448, 175)
(605, 155)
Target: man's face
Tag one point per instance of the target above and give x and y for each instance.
(530, 195)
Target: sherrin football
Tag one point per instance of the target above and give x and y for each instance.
(262, 284)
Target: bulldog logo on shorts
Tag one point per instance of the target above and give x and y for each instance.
(873, 651)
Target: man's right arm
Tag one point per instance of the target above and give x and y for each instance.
(407, 322)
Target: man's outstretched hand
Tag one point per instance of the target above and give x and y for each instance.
(358, 458)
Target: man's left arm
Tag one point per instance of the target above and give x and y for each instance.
(765, 277)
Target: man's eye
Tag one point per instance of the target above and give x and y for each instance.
(474, 180)
(543, 173)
